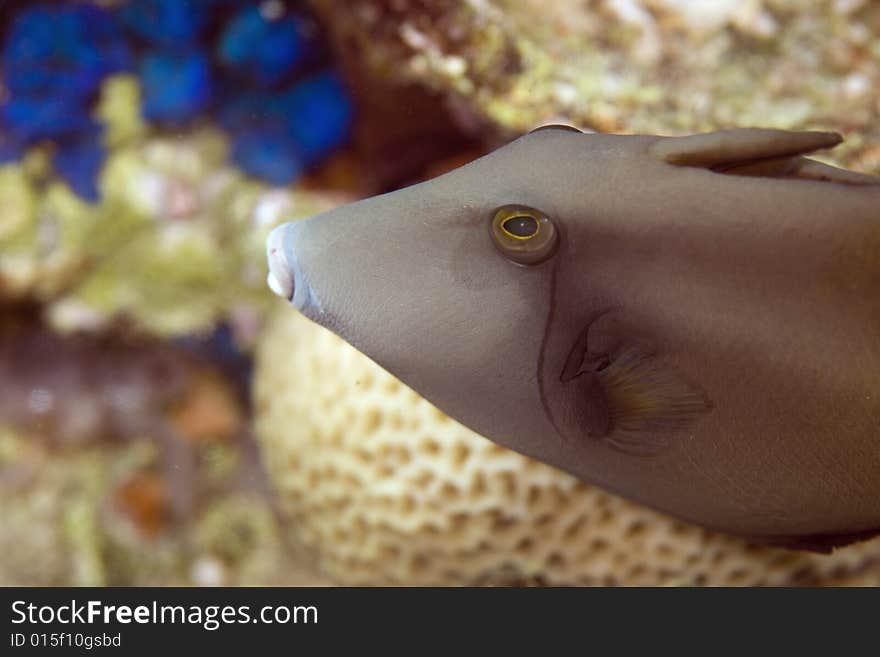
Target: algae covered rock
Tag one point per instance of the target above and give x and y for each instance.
(649, 66)
(192, 252)
(126, 461)
(174, 245)
(99, 516)
(383, 488)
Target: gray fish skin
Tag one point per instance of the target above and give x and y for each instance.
(704, 339)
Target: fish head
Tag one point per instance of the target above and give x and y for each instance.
(450, 284)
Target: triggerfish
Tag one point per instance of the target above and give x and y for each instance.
(690, 322)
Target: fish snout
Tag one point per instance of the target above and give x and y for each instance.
(281, 279)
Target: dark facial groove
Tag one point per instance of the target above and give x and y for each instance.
(542, 353)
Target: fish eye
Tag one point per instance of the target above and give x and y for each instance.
(520, 227)
(522, 234)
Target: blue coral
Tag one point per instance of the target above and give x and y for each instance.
(279, 127)
(167, 22)
(262, 49)
(62, 51)
(320, 115)
(11, 148)
(53, 61)
(268, 154)
(29, 119)
(278, 136)
(54, 58)
(78, 161)
(177, 86)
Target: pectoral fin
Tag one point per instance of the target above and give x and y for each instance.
(648, 401)
(592, 411)
(627, 396)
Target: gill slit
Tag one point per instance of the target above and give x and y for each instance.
(551, 312)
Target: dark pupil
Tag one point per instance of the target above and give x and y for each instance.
(521, 226)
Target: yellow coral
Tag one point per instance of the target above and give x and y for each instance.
(119, 109)
(146, 277)
(18, 202)
(176, 243)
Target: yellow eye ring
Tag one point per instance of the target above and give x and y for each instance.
(520, 227)
(523, 234)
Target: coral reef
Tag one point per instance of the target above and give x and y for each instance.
(386, 489)
(192, 254)
(95, 516)
(54, 59)
(176, 243)
(127, 461)
(83, 389)
(109, 215)
(651, 66)
(136, 203)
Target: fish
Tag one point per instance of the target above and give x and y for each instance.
(692, 323)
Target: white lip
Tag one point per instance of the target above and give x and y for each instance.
(280, 277)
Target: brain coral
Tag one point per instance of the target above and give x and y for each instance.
(385, 489)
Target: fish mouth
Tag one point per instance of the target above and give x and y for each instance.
(280, 278)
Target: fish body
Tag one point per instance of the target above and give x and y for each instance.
(690, 322)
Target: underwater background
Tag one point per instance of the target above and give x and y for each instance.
(166, 420)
